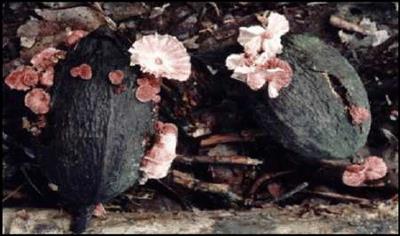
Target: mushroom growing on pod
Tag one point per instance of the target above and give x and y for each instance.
(99, 135)
(315, 114)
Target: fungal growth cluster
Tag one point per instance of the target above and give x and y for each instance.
(38, 78)
(258, 64)
(159, 56)
(157, 161)
(356, 175)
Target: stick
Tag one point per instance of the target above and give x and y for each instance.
(343, 24)
(188, 181)
(244, 136)
(291, 193)
(12, 193)
(263, 178)
(339, 196)
(234, 159)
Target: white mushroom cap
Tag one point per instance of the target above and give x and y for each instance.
(162, 56)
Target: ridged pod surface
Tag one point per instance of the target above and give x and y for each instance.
(98, 133)
(311, 116)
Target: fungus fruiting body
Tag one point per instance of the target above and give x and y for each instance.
(47, 58)
(99, 211)
(257, 38)
(258, 64)
(47, 77)
(356, 175)
(84, 71)
(74, 36)
(157, 161)
(22, 78)
(38, 101)
(161, 56)
(359, 114)
(149, 87)
(116, 77)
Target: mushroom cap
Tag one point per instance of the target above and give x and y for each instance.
(116, 77)
(157, 161)
(38, 101)
(47, 77)
(75, 36)
(161, 56)
(359, 114)
(84, 71)
(22, 78)
(146, 93)
(47, 58)
(376, 168)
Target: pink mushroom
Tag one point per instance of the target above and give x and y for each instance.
(359, 114)
(38, 101)
(161, 56)
(256, 71)
(84, 71)
(157, 161)
(279, 75)
(356, 175)
(75, 36)
(99, 211)
(116, 77)
(47, 77)
(22, 78)
(257, 38)
(375, 168)
(149, 87)
(47, 58)
(145, 93)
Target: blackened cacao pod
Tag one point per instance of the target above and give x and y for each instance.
(98, 131)
(311, 116)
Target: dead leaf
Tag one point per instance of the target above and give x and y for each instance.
(84, 18)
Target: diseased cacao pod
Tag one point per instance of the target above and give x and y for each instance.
(311, 116)
(98, 133)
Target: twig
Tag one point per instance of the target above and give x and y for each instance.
(263, 178)
(188, 181)
(343, 24)
(289, 194)
(339, 196)
(12, 193)
(244, 136)
(110, 22)
(233, 159)
(23, 170)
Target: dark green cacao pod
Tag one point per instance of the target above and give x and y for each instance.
(311, 116)
(98, 133)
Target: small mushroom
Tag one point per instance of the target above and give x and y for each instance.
(47, 77)
(38, 101)
(47, 58)
(116, 77)
(356, 175)
(22, 78)
(161, 56)
(74, 36)
(84, 71)
(157, 161)
(149, 87)
(359, 114)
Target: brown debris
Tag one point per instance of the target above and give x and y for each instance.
(234, 159)
(244, 136)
